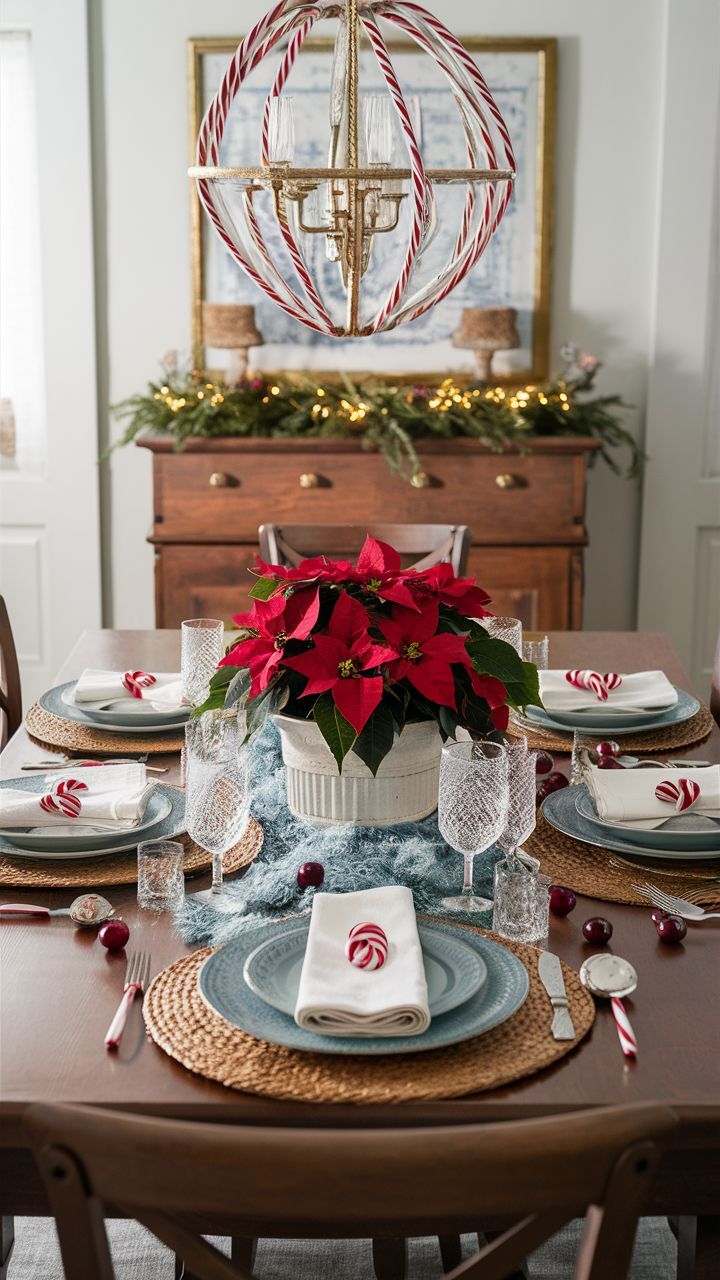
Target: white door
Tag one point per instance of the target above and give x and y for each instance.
(49, 514)
(680, 557)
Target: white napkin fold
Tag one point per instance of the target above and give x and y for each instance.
(337, 999)
(95, 689)
(113, 799)
(639, 691)
(628, 797)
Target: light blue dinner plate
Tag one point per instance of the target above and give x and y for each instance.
(164, 818)
(453, 971)
(592, 722)
(560, 811)
(221, 985)
(53, 700)
(127, 712)
(689, 831)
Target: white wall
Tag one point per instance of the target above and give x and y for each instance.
(609, 96)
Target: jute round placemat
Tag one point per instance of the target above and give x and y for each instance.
(180, 1022)
(66, 735)
(598, 873)
(696, 729)
(120, 868)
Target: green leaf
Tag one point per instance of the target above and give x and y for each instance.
(263, 588)
(376, 739)
(339, 735)
(448, 722)
(239, 687)
(258, 709)
(493, 657)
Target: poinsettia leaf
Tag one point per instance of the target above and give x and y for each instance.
(263, 588)
(222, 677)
(496, 658)
(239, 688)
(258, 709)
(334, 728)
(376, 739)
(448, 722)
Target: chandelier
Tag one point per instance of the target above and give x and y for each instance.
(299, 232)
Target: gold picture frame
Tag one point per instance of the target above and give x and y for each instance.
(545, 51)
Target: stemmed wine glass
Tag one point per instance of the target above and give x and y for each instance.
(472, 808)
(522, 813)
(217, 797)
(521, 892)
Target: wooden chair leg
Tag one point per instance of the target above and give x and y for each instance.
(698, 1248)
(7, 1240)
(389, 1258)
(242, 1251)
(450, 1251)
(521, 1273)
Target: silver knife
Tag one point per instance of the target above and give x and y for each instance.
(550, 971)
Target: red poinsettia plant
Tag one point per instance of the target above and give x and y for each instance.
(365, 648)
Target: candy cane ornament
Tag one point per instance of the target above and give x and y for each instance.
(63, 798)
(626, 1035)
(136, 681)
(588, 680)
(682, 792)
(367, 946)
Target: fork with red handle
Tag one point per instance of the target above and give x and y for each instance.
(137, 976)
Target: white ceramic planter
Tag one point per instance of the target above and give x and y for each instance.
(405, 789)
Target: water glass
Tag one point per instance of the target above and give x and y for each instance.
(217, 789)
(537, 652)
(522, 813)
(201, 648)
(161, 884)
(472, 808)
(521, 909)
(507, 629)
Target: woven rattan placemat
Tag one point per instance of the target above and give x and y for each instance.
(66, 735)
(120, 868)
(598, 873)
(696, 729)
(180, 1022)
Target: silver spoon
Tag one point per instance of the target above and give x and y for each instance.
(612, 978)
(88, 910)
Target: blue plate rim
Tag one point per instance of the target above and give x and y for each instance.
(686, 707)
(595, 821)
(558, 799)
(168, 829)
(63, 711)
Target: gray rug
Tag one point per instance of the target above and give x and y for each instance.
(138, 1256)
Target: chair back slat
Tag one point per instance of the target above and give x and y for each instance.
(10, 692)
(184, 1179)
(420, 545)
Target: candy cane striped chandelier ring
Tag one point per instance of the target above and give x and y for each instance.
(335, 214)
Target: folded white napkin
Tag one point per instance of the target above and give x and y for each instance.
(96, 689)
(112, 798)
(338, 999)
(627, 796)
(640, 691)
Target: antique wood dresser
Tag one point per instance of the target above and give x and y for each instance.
(526, 513)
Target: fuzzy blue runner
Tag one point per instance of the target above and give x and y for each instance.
(413, 854)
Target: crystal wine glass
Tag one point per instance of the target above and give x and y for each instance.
(201, 648)
(217, 803)
(521, 816)
(537, 652)
(472, 808)
(507, 629)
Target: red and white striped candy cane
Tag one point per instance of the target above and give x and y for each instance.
(588, 680)
(136, 681)
(682, 792)
(367, 946)
(626, 1035)
(612, 680)
(62, 799)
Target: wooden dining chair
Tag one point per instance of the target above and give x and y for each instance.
(183, 1180)
(715, 685)
(10, 693)
(420, 545)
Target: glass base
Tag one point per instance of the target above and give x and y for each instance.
(466, 902)
(217, 900)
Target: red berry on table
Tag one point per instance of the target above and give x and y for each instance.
(554, 782)
(608, 762)
(562, 900)
(544, 764)
(311, 875)
(597, 930)
(114, 934)
(657, 915)
(671, 929)
(609, 748)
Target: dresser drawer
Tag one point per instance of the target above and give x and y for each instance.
(202, 582)
(223, 496)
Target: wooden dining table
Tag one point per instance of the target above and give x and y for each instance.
(60, 989)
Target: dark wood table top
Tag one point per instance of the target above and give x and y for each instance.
(60, 987)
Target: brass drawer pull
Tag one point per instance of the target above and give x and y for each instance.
(309, 480)
(220, 480)
(420, 480)
(506, 480)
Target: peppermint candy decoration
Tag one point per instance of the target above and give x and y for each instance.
(63, 799)
(601, 685)
(626, 1035)
(136, 681)
(682, 793)
(367, 946)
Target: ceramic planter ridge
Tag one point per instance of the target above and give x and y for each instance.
(404, 790)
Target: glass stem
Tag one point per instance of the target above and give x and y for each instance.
(217, 873)
(467, 889)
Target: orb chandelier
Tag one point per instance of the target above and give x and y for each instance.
(350, 248)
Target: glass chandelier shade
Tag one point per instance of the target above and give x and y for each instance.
(374, 210)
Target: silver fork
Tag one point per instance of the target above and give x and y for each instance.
(137, 976)
(67, 762)
(675, 906)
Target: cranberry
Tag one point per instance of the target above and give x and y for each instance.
(609, 748)
(608, 762)
(544, 764)
(554, 782)
(562, 900)
(114, 934)
(671, 929)
(597, 930)
(311, 875)
(657, 915)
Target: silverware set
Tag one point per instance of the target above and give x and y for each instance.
(675, 906)
(137, 977)
(67, 762)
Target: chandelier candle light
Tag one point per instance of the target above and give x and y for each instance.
(363, 192)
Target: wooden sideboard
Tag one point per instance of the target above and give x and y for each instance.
(526, 513)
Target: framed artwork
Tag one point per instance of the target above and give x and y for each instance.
(515, 269)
